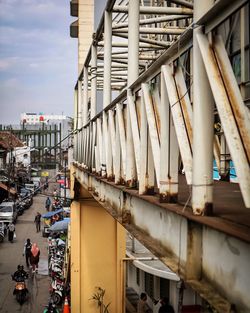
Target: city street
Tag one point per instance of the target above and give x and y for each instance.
(11, 254)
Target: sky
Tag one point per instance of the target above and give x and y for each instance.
(38, 58)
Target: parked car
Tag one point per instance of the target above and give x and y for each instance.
(8, 212)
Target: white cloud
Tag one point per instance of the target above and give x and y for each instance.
(38, 59)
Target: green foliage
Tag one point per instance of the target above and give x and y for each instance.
(98, 296)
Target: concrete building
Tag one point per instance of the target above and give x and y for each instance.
(174, 80)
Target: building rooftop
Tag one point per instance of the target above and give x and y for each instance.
(8, 140)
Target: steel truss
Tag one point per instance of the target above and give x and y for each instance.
(173, 72)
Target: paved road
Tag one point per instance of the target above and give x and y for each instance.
(11, 256)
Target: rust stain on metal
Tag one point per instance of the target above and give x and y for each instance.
(168, 198)
(156, 109)
(110, 178)
(232, 228)
(156, 247)
(156, 113)
(131, 183)
(138, 111)
(207, 211)
(183, 106)
(235, 104)
(126, 217)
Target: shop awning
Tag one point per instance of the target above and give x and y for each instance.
(50, 214)
(11, 190)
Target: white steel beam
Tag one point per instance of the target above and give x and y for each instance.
(100, 147)
(143, 174)
(146, 40)
(240, 111)
(107, 58)
(169, 151)
(154, 10)
(186, 106)
(112, 137)
(93, 80)
(153, 132)
(85, 96)
(133, 73)
(125, 44)
(154, 30)
(203, 120)
(228, 101)
(79, 103)
(135, 128)
(107, 146)
(93, 156)
(179, 122)
(117, 156)
(153, 20)
(122, 134)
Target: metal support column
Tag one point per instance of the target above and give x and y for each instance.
(93, 80)
(133, 73)
(169, 151)
(203, 119)
(107, 58)
(79, 118)
(85, 97)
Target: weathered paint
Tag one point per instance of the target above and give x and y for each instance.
(227, 117)
(172, 238)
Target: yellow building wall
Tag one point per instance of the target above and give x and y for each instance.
(75, 256)
(100, 244)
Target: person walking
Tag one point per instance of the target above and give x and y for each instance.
(27, 251)
(11, 231)
(47, 203)
(38, 221)
(142, 305)
(34, 257)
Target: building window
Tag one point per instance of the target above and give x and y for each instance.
(164, 287)
(149, 285)
(138, 276)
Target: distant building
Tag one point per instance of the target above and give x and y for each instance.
(44, 121)
(8, 142)
(38, 118)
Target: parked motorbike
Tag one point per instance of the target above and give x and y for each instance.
(51, 307)
(20, 290)
(2, 231)
(20, 208)
(57, 289)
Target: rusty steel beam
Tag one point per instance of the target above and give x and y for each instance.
(169, 154)
(153, 132)
(227, 100)
(135, 128)
(179, 122)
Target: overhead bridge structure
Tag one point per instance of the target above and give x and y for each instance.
(161, 110)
